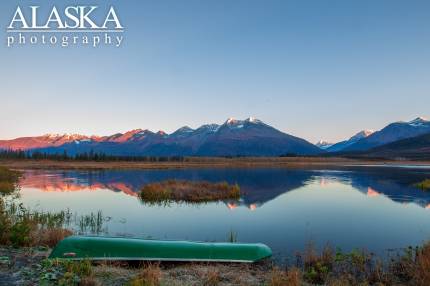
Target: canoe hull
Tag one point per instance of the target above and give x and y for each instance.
(115, 248)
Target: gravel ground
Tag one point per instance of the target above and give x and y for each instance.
(25, 266)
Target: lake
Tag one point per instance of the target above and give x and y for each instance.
(375, 208)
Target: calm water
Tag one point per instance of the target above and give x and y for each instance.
(372, 208)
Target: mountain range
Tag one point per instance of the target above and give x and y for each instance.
(249, 137)
(397, 140)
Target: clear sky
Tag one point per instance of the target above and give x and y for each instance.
(314, 69)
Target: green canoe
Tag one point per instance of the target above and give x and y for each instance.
(116, 248)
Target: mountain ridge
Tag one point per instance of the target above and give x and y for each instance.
(249, 137)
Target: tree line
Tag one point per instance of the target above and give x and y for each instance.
(85, 156)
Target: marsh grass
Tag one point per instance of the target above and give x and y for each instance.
(424, 185)
(92, 223)
(8, 180)
(21, 226)
(232, 237)
(358, 267)
(188, 191)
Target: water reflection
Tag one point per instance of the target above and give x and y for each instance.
(259, 186)
(372, 208)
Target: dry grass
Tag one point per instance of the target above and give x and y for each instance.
(89, 281)
(212, 278)
(277, 277)
(50, 236)
(421, 273)
(188, 191)
(292, 277)
(150, 275)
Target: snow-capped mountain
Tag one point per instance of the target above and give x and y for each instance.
(323, 144)
(391, 133)
(354, 139)
(252, 137)
(47, 140)
(249, 137)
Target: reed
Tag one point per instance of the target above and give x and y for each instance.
(20, 226)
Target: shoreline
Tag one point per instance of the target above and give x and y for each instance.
(208, 163)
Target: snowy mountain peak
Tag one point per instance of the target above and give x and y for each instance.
(253, 120)
(418, 121)
(134, 131)
(64, 137)
(362, 134)
(209, 128)
(51, 135)
(185, 129)
(231, 120)
(323, 144)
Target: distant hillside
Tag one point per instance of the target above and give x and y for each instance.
(416, 148)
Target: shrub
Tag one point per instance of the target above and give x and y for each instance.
(20, 233)
(317, 267)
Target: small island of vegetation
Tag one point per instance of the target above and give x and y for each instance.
(424, 185)
(189, 192)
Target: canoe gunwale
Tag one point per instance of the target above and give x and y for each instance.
(156, 259)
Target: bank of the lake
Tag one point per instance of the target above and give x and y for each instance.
(207, 162)
(30, 266)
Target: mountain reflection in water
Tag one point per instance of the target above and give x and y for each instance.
(257, 185)
(372, 208)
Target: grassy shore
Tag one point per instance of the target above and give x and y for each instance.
(204, 162)
(30, 266)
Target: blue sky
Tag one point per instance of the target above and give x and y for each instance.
(314, 69)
